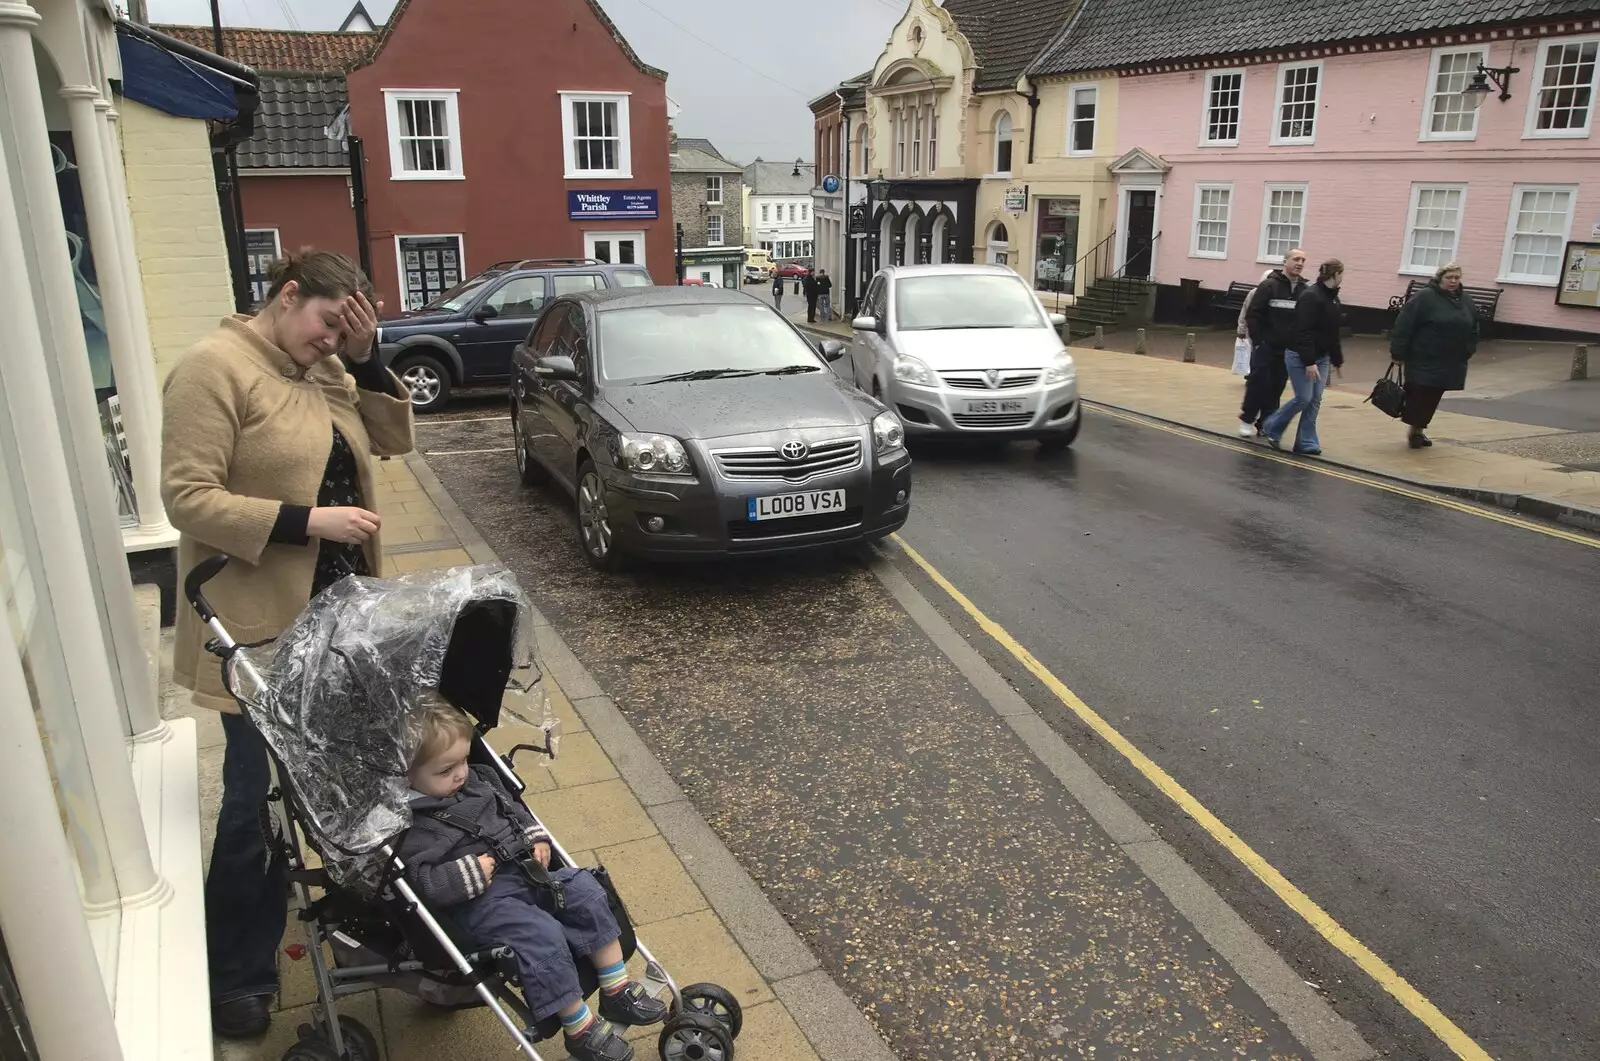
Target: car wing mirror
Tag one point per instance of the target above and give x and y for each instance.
(1058, 319)
(556, 367)
(485, 313)
(865, 324)
(833, 349)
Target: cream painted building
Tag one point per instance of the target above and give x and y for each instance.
(105, 267)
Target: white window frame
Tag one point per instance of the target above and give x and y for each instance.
(1431, 93)
(994, 156)
(400, 259)
(1205, 109)
(1417, 188)
(1517, 190)
(1266, 213)
(1194, 224)
(766, 213)
(452, 116)
(590, 235)
(933, 140)
(624, 170)
(1277, 103)
(721, 230)
(1072, 119)
(1535, 90)
(718, 185)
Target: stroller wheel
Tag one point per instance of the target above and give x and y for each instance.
(311, 1050)
(359, 1044)
(717, 1002)
(693, 1037)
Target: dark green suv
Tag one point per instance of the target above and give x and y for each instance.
(464, 338)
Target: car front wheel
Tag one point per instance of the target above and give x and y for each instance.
(595, 533)
(427, 379)
(530, 471)
(1058, 443)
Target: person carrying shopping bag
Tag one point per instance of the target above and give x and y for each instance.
(1268, 317)
(1434, 337)
(1312, 354)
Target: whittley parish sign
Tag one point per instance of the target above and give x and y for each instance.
(643, 204)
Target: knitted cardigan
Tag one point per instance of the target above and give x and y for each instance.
(246, 431)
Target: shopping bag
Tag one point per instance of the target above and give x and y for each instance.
(1241, 357)
(1389, 393)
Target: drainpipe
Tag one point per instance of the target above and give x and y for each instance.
(847, 258)
(1033, 117)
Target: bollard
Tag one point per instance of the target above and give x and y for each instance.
(1580, 362)
(1099, 337)
(1188, 349)
(1139, 345)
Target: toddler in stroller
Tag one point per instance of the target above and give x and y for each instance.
(435, 878)
(476, 852)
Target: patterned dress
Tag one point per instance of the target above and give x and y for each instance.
(340, 489)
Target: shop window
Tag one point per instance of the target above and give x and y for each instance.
(1055, 266)
(429, 266)
(261, 248)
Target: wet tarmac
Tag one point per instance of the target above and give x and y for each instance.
(962, 899)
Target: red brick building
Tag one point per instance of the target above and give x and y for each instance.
(489, 133)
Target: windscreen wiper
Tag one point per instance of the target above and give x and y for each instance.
(792, 370)
(700, 373)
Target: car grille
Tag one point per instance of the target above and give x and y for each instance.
(992, 419)
(976, 381)
(767, 464)
(745, 530)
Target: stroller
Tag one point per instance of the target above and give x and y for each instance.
(335, 697)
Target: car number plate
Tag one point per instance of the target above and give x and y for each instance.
(787, 506)
(996, 405)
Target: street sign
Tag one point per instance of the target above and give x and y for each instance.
(830, 184)
(1016, 200)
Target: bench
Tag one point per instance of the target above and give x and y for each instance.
(1233, 299)
(1487, 299)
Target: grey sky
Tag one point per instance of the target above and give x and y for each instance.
(744, 86)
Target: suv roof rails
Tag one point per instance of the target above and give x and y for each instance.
(524, 262)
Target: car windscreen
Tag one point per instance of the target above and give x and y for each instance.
(460, 297)
(655, 341)
(964, 300)
(632, 278)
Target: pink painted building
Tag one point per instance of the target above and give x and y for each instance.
(1345, 129)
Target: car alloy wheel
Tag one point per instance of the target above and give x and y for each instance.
(594, 520)
(425, 378)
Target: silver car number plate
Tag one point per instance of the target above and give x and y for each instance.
(996, 405)
(787, 506)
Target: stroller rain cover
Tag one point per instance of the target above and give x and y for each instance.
(341, 703)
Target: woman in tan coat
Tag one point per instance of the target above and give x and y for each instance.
(266, 457)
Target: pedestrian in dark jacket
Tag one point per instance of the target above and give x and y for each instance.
(468, 851)
(1313, 353)
(1434, 337)
(808, 287)
(825, 295)
(777, 292)
(1268, 320)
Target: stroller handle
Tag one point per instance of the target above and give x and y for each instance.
(203, 572)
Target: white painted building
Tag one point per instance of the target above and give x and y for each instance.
(780, 209)
(101, 906)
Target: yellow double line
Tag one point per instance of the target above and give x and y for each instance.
(1298, 901)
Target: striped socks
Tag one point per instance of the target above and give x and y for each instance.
(613, 978)
(577, 1025)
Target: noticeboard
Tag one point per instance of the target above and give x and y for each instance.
(1579, 284)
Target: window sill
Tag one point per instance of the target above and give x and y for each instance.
(1312, 142)
(1269, 261)
(1529, 281)
(1219, 143)
(1414, 270)
(581, 175)
(1202, 255)
(1447, 138)
(427, 176)
(1558, 134)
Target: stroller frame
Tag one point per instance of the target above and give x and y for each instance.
(696, 1013)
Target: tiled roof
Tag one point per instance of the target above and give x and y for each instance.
(777, 178)
(698, 144)
(1006, 35)
(1118, 33)
(276, 50)
(292, 123)
(691, 159)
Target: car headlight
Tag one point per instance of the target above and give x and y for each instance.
(653, 454)
(1062, 369)
(908, 369)
(888, 433)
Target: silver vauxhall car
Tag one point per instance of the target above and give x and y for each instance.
(965, 350)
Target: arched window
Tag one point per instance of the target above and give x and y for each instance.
(999, 244)
(861, 149)
(1002, 143)
(941, 229)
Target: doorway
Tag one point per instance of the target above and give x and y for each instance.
(614, 248)
(1136, 247)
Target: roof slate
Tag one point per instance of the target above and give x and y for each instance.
(777, 178)
(691, 159)
(278, 50)
(1120, 33)
(291, 124)
(1006, 35)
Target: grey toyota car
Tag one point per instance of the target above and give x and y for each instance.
(693, 422)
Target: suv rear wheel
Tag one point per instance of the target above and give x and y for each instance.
(427, 379)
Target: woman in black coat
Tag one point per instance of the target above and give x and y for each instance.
(1434, 338)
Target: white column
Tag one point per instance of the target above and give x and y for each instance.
(57, 481)
(154, 528)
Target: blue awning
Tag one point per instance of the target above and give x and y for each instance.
(182, 81)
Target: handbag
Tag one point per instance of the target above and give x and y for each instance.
(1389, 393)
(1241, 357)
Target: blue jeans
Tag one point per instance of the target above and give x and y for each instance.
(247, 897)
(1307, 401)
(825, 303)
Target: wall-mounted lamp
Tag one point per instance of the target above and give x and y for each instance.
(796, 172)
(1478, 91)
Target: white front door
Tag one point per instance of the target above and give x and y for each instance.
(615, 248)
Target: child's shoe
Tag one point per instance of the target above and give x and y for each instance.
(599, 1042)
(632, 1006)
